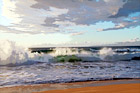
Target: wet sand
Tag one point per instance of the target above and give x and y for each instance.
(110, 86)
(120, 88)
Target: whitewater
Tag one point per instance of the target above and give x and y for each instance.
(21, 66)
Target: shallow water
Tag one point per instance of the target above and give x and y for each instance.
(67, 72)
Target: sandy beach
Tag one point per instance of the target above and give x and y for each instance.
(121, 88)
(111, 86)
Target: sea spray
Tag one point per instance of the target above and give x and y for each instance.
(65, 51)
(106, 54)
(10, 53)
(70, 51)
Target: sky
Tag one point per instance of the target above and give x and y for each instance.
(45, 23)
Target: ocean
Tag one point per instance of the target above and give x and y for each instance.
(20, 66)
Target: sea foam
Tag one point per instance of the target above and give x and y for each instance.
(11, 53)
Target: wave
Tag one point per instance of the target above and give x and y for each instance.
(107, 54)
(10, 53)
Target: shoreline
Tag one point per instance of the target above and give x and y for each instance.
(62, 86)
(119, 88)
(69, 82)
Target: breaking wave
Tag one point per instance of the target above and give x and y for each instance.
(10, 53)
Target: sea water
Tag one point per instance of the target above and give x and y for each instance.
(19, 66)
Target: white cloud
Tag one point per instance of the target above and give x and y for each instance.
(100, 29)
(133, 40)
(24, 18)
(78, 33)
(120, 25)
(9, 9)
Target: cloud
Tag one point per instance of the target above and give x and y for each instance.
(100, 29)
(78, 33)
(131, 42)
(107, 0)
(131, 6)
(122, 26)
(26, 19)
(9, 9)
(53, 16)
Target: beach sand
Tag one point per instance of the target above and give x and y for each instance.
(110, 86)
(120, 88)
